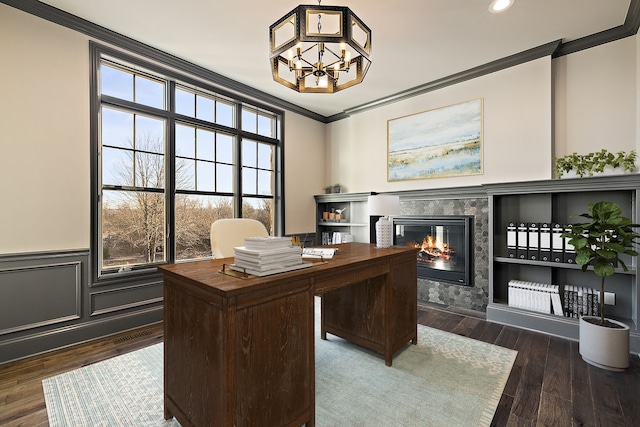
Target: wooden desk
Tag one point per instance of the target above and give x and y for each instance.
(240, 352)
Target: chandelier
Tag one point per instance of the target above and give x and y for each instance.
(319, 49)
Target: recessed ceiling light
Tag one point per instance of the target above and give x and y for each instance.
(498, 6)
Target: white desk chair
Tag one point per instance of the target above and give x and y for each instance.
(231, 232)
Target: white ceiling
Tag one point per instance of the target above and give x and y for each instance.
(414, 42)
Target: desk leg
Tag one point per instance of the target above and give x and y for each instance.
(323, 331)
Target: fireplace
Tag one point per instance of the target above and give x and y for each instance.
(445, 245)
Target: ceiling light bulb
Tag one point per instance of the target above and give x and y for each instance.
(500, 5)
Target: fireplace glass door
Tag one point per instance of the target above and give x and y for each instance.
(444, 245)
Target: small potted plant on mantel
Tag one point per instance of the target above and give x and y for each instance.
(599, 243)
(598, 163)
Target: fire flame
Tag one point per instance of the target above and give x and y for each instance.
(434, 248)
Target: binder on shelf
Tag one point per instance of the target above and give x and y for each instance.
(523, 240)
(569, 249)
(512, 240)
(533, 252)
(544, 241)
(557, 243)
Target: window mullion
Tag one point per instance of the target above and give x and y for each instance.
(238, 164)
(170, 175)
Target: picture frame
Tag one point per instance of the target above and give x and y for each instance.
(438, 143)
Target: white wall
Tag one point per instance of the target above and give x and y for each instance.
(637, 81)
(533, 112)
(585, 101)
(596, 99)
(44, 135)
(45, 141)
(304, 171)
(517, 133)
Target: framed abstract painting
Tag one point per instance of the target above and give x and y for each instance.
(438, 143)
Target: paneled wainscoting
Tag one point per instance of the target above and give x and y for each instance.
(49, 301)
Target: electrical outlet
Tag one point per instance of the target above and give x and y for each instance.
(610, 298)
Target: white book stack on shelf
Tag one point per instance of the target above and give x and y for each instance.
(262, 256)
(540, 297)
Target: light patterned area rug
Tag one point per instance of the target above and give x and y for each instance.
(446, 380)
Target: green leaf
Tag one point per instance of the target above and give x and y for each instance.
(583, 259)
(579, 242)
(603, 268)
(617, 247)
(607, 254)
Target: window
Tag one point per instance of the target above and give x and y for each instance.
(174, 155)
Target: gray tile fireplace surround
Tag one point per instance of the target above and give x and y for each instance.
(457, 202)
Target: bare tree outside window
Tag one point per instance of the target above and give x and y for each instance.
(134, 221)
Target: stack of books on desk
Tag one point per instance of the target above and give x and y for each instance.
(261, 256)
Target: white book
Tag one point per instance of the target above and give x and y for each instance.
(267, 253)
(337, 238)
(514, 294)
(261, 273)
(557, 303)
(262, 262)
(267, 267)
(266, 242)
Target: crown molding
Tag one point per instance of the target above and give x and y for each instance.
(629, 28)
(472, 73)
(103, 34)
(555, 49)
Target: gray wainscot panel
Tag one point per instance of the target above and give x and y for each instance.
(113, 300)
(39, 295)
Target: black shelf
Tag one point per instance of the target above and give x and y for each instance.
(559, 201)
(505, 260)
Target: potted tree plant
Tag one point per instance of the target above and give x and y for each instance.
(599, 243)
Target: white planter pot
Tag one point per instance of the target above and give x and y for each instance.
(569, 175)
(606, 348)
(608, 170)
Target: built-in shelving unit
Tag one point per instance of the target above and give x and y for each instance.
(557, 201)
(354, 215)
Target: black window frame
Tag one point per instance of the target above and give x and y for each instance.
(174, 76)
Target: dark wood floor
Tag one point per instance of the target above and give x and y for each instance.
(549, 385)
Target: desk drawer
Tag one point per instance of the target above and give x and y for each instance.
(349, 276)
